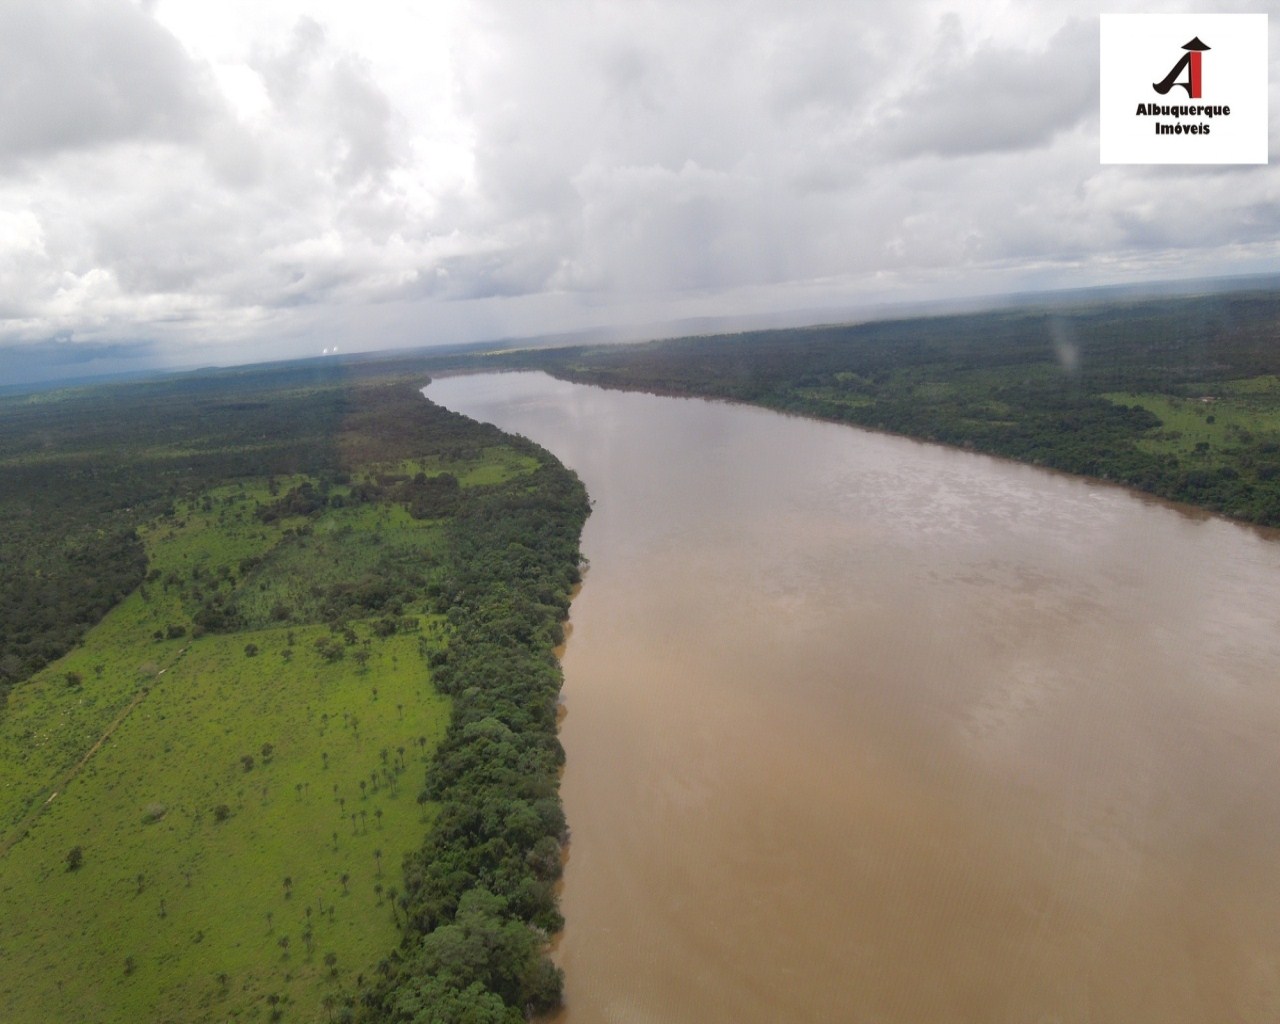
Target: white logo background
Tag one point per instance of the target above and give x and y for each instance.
(1139, 49)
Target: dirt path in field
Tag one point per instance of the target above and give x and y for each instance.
(23, 827)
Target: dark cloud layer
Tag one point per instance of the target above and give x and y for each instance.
(60, 359)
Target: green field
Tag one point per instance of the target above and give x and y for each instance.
(205, 805)
(180, 909)
(1229, 414)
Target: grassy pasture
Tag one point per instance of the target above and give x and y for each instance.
(221, 596)
(180, 910)
(1225, 414)
(176, 915)
(492, 465)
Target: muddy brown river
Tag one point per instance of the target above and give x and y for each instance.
(861, 729)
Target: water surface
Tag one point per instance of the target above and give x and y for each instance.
(862, 729)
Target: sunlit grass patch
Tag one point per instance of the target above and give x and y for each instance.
(231, 827)
(283, 752)
(1196, 426)
(492, 464)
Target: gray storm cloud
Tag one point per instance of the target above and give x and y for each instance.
(585, 162)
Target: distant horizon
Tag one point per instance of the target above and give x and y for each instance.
(46, 357)
(187, 184)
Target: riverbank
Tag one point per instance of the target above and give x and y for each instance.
(1177, 398)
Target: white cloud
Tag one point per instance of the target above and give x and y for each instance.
(268, 171)
(80, 73)
(975, 99)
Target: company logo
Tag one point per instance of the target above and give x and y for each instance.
(1192, 62)
(1222, 119)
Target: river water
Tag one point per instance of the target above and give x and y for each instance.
(862, 729)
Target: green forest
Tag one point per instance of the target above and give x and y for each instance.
(1177, 397)
(278, 735)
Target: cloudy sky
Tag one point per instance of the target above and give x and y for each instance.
(188, 182)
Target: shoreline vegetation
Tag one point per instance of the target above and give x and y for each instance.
(320, 643)
(480, 896)
(1174, 397)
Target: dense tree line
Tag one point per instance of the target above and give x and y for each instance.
(479, 901)
(80, 470)
(479, 895)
